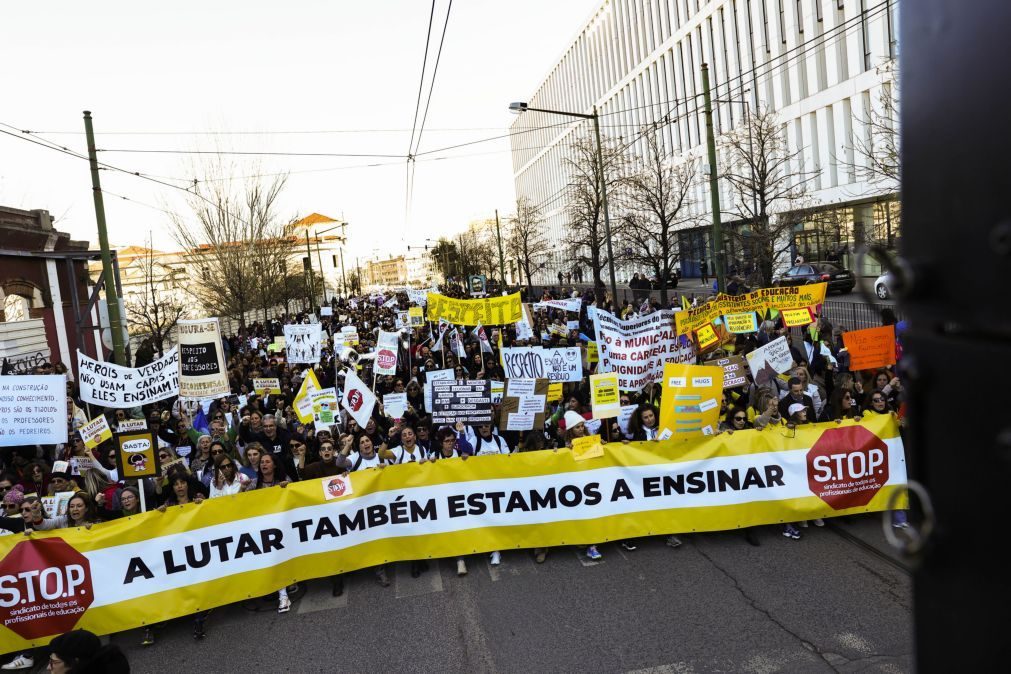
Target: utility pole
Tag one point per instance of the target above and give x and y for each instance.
(344, 278)
(501, 258)
(108, 276)
(714, 191)
(319, 258)
(607, 215)
(308, 260)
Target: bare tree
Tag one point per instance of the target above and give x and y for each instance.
(525, 239)
(767, 179)
(655, 196)
(585, 207)
(880, 148)
(158, 306)
(235, 242)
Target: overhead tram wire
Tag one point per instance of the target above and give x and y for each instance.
(409, 177)
(435, 72)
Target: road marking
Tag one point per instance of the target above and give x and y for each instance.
(318, 597)
(673, 668)
(428, 582)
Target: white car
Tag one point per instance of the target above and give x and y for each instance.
(883, 286)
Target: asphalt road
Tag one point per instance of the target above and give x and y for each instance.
(822, 604)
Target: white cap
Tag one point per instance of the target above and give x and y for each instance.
(573, 419)
(796, 407)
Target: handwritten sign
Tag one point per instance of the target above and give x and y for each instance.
(587, 447)
(96, 431)
(770, 360)
(707, 337)
(742, 323)
(797, 317)
(871, 348)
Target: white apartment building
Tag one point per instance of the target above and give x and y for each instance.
(819, 64)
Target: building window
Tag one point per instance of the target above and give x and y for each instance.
(817, 10)
(864, 35)
(782, 22)
(765, 26)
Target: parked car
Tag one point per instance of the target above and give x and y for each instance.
(838, 279)
(883, 286)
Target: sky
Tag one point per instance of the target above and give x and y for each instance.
(228, 75)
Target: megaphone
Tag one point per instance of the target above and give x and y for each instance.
(347, 355)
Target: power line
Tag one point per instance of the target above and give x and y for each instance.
(263, 153)
(435, 71)
(279, 132)
(421, 80)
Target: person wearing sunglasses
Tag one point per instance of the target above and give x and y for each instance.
(736, 420)
(877, 403)
(227, 478)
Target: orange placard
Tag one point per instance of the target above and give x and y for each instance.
(870, 348)
(797, 317)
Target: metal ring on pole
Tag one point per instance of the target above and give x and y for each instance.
(913, 540)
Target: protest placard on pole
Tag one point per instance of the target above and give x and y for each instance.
(637, 349)
(533, 394)
(690, 404)
(497, 391)
(324, 406)
(395, 405)
(534, 362)
(573, 304)
(770, 360)
(605, 401)
(128, 425)
(735, 372)
(302, 343)
(303, 399)
(357, 398)
(434, 376)
(137, 455)
(202, 372)
(112, 385)
(871, 348)
(416, 316)
(96, 431)
(742, 323)
(387, 347)
(464, 400)
(797, 317)
(267, 385)
(707, 337)
(33, 410)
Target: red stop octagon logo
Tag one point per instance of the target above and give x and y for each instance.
(386, 359)
(45, 587)
(847, 467)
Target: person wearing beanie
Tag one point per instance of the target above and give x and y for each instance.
(12, 519)
(81, 651)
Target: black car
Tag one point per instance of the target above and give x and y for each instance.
(839, 280)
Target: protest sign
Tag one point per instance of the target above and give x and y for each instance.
(325, 311)
(33, 409)
(534, 362)
(742, 323)
(387, 348)
(707, 337)
(324, 406)
(128, 425)
(416, 315)
(587, 447)
(146, 569)
(690, 403)
(573, 304)
(592, 354)
(136, 455)
(357, 398)
(112, 385)
(790, 297)
(517, 390)
(624, 417)
(96, 431)
(871, 348)
(486, 311)
(303, 399)
(571, 325)
(517, 421)
(734, 370)
(604, 398)
(403, 320)
(434, 376)
(202, 372)
(56, 506)
(80, 464)
(770, 360)
(464, 400)
(395, 405)
(419, 297)
(637, 349)
(797, 317)
(302, 343)
(555, 391)
(267, 385)
(532, 404)
(497, 391)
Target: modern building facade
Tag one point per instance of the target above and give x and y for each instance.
(823, 66)
(390, 273)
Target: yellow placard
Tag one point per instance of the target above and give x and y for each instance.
(587, 447)
(303, 399)
(741, 323)
(797, 317)
(266, 385)
(592, 354)
(416, 316)
(793, 297)
(690, 402)
(555, 391)
(484, 311)
(280, 342)
(707, 337)
(605, 400)
(95, 432)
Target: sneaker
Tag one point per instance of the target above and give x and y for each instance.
(819, 522)
(540, 554)
(791, 531)
(496, 558)
(461, 567)
(148, 639)
(803, 524)
(593, 553)
(283, 605)
(198, 629)
(381, 577)
(900, 525)
(673, 541)
(20, 662)
(628, 545)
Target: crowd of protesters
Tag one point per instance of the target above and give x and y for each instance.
(248, 440)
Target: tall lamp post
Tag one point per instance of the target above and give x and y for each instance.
(521, 107)
(319, 257)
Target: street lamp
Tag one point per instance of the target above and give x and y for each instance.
(319, 257)
(521, 107)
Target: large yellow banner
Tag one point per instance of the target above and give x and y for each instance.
(484, 311)
(791, 297)
(152, 567)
